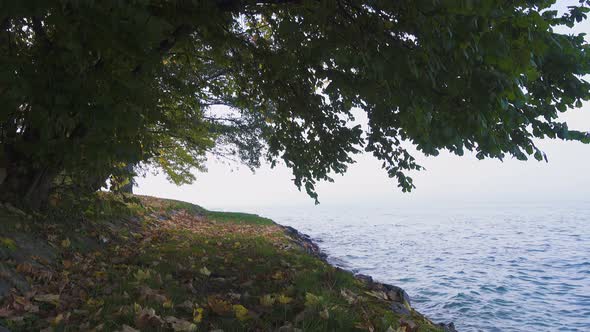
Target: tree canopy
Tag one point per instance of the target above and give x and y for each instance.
(88, 87)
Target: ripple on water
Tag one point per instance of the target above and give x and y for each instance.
(487, 269)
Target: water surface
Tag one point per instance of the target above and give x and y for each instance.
(485, 267)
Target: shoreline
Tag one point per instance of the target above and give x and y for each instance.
(155, 264)
(399, 297)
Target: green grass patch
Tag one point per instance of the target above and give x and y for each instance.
(238, 218)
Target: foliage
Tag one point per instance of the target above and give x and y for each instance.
(88, 87)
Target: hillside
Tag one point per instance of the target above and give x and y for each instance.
(148, 264)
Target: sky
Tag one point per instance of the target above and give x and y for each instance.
(448, 179)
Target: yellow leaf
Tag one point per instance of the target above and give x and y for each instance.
(198, 315)
(141, 275)
(267, 300)
(204, 271)
(311, 300)
(66, 243)
(168, 304)
(94, 302)
(47, 298)
(240, 311)
(58, 319)
(8, 243)
(284, 299)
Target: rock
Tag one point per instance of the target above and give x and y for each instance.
(401, 303)
(305, 242)
(397, 294)
(450, 327)
(409, 325)
(400, 309)
(364, 278)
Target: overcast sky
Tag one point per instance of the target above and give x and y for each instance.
(447, 178)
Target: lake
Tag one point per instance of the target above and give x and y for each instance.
(486, 267)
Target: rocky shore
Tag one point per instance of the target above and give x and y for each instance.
(400, 300)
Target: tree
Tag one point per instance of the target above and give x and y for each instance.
(88, 87)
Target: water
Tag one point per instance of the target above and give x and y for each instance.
(487, 268)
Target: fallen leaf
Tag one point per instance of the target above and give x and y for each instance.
(94, 302)
(349, 296)
(204, 271)
(66, 243)
(24, 268)
(267, 300)
(47, 298)
(8, 243)
(198, 315)
(312, 300)
(219, 306)
(57, 319)
(240, 311)
(284, 299)
(127, 328)
(168, 304)
(377, 294)
(150, 294)
(146, 318)
(142, 275)
(67, 264)
(180, 325)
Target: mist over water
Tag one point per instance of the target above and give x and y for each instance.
(486, 267)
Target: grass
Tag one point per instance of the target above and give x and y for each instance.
(238, 218)
(163, 265)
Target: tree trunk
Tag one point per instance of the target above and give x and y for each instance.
(25, 186)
